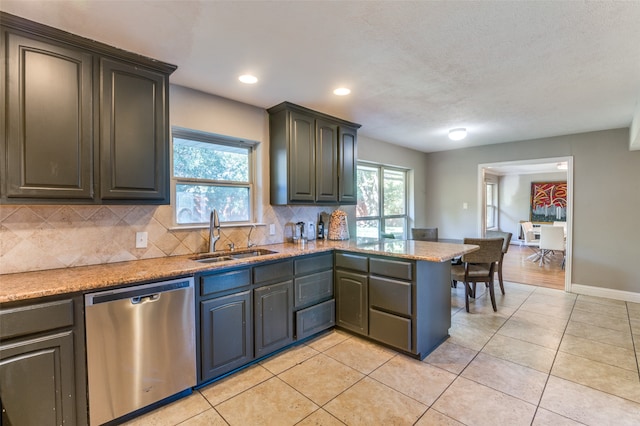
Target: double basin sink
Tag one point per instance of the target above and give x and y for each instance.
(230, 255)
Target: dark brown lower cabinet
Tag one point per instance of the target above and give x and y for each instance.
(352, 311)
(42, 374)
(316, 318)
(226, 334)
(37, 380)
(273, 313)
(314, 303)
(402, 303)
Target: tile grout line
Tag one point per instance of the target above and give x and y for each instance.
(633, 340)
(430, 406)
(546, 382)
(473, 358)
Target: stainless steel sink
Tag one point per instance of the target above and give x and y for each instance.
(213, 259)
(230, 255)
(252, 253)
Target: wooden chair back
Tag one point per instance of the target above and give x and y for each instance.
(506, 236)
(424, 234)
(490, 250)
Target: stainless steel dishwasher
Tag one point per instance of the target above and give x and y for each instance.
(140, 346)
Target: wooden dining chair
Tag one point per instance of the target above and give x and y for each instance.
(506, 238)
(424, 234)
(478, 266)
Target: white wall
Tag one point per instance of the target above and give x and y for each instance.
(606, 199)
(515, 198)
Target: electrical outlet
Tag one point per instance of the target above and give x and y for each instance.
(141, 239)
(465, 206)
(272, 229)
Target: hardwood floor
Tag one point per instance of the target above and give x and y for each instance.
(518, 269)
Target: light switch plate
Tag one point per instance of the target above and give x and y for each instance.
(141, 240)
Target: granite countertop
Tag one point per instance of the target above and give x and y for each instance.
(32, 285)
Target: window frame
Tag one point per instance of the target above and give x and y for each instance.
(220, 140)
(491, 206)
(381, 217)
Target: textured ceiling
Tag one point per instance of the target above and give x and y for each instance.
(504, 70)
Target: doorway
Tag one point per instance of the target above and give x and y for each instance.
(527, 167)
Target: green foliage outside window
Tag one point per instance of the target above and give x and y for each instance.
(211, 174)
(381, 209)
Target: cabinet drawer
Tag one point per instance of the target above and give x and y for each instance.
(315, 318)
(215, 283)
(312, 288)
(390, 329)
(390, 295)
(36, 318)
(352, 261)
(311, 264)
(391, 268)
(280, 271)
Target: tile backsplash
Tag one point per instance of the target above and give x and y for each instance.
(39, 237)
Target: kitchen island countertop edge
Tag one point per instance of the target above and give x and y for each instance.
(36, 284)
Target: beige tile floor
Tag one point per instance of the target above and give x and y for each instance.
(545, 358)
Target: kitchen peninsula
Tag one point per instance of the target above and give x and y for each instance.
(392, 291)
(52, 282)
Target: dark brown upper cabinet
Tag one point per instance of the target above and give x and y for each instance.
(85, 122)
(48, 120)
(312, 157)
(133, 133)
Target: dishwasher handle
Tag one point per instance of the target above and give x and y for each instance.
(142, 299)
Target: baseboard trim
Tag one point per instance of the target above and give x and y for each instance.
(609, 293)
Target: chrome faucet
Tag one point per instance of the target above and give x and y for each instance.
(249, 243)
(214, 223)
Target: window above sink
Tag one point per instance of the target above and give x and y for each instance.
(211, 172)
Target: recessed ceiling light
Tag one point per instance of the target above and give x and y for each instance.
(341, 91)
(457, 134)
(248, 79)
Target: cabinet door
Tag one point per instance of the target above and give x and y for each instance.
(49, 120)
(391, 329)
(133, 133)
(273, 313)
(313, 288)
(315, 318)
(326, 167)
(351, 299)
(302, 182)
(348, 157)
(226, 334)
(37, 381)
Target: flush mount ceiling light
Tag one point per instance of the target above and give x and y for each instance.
(248, 79)
(457, 134)
(341, 91)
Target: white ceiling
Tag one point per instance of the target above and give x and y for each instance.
(504, 70)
